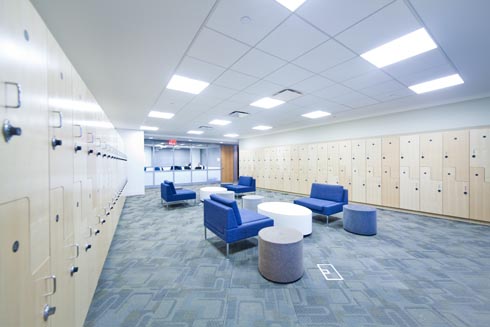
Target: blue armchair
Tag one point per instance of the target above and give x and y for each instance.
(325, 199)
(245, 184)
(223, 218)
(170, 195)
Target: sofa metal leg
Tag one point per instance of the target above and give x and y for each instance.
(327, 221)
(205, 234)
(227, 249)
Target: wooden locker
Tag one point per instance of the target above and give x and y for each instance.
(373, 188)
(312, 163)
(359, 171)
(390, 188)
(287, 169)
(390, 154)
(322, 163)
(409, 155)
(373, 171)
(480, 150)
(431, 154)
(345, 166)
(430, 192)
(409, 190)
(303, 169)
(455, 195)
(333, 161)
(456, 153)
(479, 195)
(294, 169)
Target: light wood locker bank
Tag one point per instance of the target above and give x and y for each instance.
(358, 170)
(390, 178)
(409, 172)
(373, 171)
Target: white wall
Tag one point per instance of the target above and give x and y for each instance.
(134, 142)
(472, 113)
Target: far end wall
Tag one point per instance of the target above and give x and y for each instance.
(134, 142)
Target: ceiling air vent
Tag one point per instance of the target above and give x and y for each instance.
(205, 127)
(238, 114)
(287, 95)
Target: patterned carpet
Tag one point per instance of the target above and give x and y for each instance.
(418, 271)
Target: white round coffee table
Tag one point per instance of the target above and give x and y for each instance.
(251, 202)
(287, 214)
(205, 192)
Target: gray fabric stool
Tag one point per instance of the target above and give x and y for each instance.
(360, 219)
(251, 202)
(281, 254)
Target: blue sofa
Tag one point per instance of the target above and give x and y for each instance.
(245, 184)
(223, 218)
(325, 199)
(170, 195)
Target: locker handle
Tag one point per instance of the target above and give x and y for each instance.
(88, 247)
(19, 95)
(77, 247)
(80, 129)
(78, 148)
(9, 131)
(48, 311)
(73, 270)
(60, 116)
(56, 142)
(53, 291)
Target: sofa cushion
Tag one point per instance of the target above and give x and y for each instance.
(324, 207)
(245, 180)
(229, 203)
(249, 216)
(171, 185)
(184, 195)
(238, 188)
(327, 192)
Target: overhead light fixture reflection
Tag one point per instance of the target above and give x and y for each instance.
(185, 84)
(195, 132)
(219, 122)
(402, 48)
(262, 127)
(267, 103)
(162, 115)
(437, 84)
(316, 114)
(292, 5)
(148, 128)
(231, 135)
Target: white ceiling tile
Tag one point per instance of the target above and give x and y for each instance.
(332, 91)
(200, 70)
(243, 99)
(312, 84)
(264, 89)
(258, 63)
(395, 94)
(383, 87)
(171, 101)
(349, 69)
(416, 64)
(390, 23)
(371, 78)
(264, 17)
(206, 45)
(411, 78)
(206, 101)
(288, 75)
(325, 56)
(354, 100)
(218, 92)
(235, 80)
(308, 100)
(333, 16)
(291, 39)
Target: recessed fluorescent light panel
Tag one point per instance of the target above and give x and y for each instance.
(159, 114)
(231, 135)
(185, 84)
(291, 4)
(262, 127)
(400, 49)
(316, 114)
(195, 132)
(267, 103)
(437, 84)
(219, 122)
(148, 128)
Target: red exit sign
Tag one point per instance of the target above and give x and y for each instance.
(172, 142)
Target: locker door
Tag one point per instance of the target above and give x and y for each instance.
(62, 261)
(456, 153)
(479, 195)
(390, 188)
(15, 281)
(359, 171)
(455, 195)
(312, 163)
(390, 154)
(480, 150)
(322, 167)
(303, 169)
(409, 190)
(373, 187)
(294, 169)
(431, 154)
(373, 167)
(345, 166)
(333, 161)
(409, 155)
(430, 192)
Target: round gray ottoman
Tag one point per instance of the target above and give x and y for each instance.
(360, 219)
(251, 202)
(281, 254)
